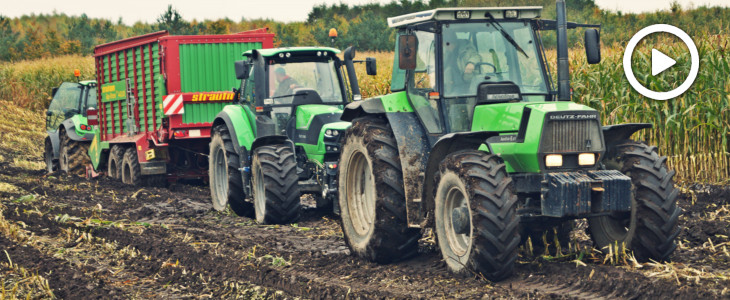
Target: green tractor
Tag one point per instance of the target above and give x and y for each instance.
(281, 139)
(476, 144)
(69, 134)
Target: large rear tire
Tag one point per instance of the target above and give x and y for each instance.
(114, 165)
(226, 184)
(73, 156)
(651, 227)
(476, 222)
(51, 163)
(275, 185)
(372, 196)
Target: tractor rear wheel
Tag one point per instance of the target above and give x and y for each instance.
(650, 228)
(275, 185)
(114, 165)
(73, 156)
(226, 184)
(476, 222)
(51, 163)
(372, 195)
(131, 172)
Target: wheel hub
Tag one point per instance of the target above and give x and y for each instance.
(460, 220)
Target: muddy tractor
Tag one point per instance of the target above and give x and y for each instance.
(69, 134)
(281, 140)
(476, 143)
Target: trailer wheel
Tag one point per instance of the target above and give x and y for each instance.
(275, 185)
(226, 185)
(131, 172)
(51, 163)
(73, 156)
(476, 221)
(651, 227)
(114, 165)
(372, 195)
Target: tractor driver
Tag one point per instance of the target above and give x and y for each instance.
(460, 60)
(286, 83)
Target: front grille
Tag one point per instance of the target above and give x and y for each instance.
(561, 136)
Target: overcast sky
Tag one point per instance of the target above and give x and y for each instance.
(279, 10)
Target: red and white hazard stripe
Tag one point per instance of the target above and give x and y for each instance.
(173, 105)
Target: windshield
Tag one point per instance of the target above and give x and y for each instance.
(286, 79)
(64, 105)
(479, 52)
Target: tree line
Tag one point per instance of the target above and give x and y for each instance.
(363, 26)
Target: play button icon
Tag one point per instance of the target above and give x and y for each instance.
(660, 62)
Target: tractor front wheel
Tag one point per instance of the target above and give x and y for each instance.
(476, 222)
(372, 195)
(226, 184)
(73, 155)
(51, 163)
(650, 228)
(275, 185)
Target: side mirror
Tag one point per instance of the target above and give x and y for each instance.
(371, 66)
(53, 92)
(92, 118)
(407, 49)
(242, 69)
(593, 46)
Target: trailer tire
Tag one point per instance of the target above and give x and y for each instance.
(275, 183)
(372, 194)
(131, 172)
(73, 156)
(114, 164)
(226, 184)
(651, 227)
(476, 221)
(51, 163)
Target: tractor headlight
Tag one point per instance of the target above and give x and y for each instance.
(553, 160)
(328, 132)
(587, 159)
(335, 132)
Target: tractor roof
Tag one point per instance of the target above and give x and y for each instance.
(88, 82)
(301, 50)
(465, 13)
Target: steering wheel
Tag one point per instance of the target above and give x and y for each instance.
(478, 69)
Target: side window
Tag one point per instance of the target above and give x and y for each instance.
(398, 82)
(248, 89)
(64, 104)
(422, 81)
(91, 100)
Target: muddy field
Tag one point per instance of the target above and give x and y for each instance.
(76, 239)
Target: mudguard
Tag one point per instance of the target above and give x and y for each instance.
(239, 126)
(70, 128)
(445, 145)
(358, 109)
(271, 140)
(614, 133)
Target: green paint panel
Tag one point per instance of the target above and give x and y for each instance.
(209, 67)
(305, 113)
(396, 102)
(113, 91)
(202, 112)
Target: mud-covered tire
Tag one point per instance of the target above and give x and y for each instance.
(275, 185)
(226, 184)
(73, 156)
(476, 221)
(114, 164)
(51, 163)
(131, 172)
(652, 224)
(372, 196)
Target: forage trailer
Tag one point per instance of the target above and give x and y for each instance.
(476, 143)
(158, 95)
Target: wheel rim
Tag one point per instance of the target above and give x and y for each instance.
(49, 159)
(457, 221)
(126, 174)
(220, 177)
(360, 194)
(259, 195)
(63, 160)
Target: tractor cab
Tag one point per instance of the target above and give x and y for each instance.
(70, 99)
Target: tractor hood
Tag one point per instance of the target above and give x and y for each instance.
(307, 113)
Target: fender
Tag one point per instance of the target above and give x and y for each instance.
(70, 129)
(239, 125)
(612, 134)
(55, 142)
(271, 140)
(445, 145)
(358, 109)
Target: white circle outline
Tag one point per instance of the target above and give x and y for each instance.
(629, 52)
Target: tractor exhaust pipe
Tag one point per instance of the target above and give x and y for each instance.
(563, 65)
(354, 86)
